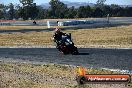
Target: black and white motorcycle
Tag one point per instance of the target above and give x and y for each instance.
(67, 46)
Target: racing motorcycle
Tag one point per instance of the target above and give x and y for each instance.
(67, 46)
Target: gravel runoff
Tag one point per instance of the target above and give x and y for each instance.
(61, 80)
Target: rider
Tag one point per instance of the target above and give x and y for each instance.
(34, 22)
(58, 36)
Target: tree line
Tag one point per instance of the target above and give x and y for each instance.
(29, 10)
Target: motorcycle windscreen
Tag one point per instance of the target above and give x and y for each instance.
(68, 42)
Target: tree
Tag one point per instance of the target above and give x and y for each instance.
(84, 11)
(100, 3)
(5, 12)
(88, 11)
(1, 14)
(81, 12)
(115, 10)
(11, 11)
(29, 9)
(71, 13)
(128, 11)
(106, 10)
(97, 12)
(42, 13)
(26, 2)
(57, 9)
(17, 11)
(1, 11)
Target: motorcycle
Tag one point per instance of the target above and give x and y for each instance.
(67, 46)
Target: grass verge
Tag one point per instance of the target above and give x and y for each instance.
(21, 27)
(114, 37)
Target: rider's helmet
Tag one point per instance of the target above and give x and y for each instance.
(57, 30)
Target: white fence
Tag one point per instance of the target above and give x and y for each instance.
(78, 22)
(4, 23)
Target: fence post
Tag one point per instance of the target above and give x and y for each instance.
(48, 24)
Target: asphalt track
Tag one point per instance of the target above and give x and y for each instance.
(120, 20)
(89, 57)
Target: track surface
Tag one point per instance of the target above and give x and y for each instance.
(98, 20)
(98, 58)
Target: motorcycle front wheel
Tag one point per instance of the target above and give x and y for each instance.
(75, 52)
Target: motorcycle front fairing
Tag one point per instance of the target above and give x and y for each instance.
(67, 40)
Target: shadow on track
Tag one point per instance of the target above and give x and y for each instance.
(26, 30)
(83, 54)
